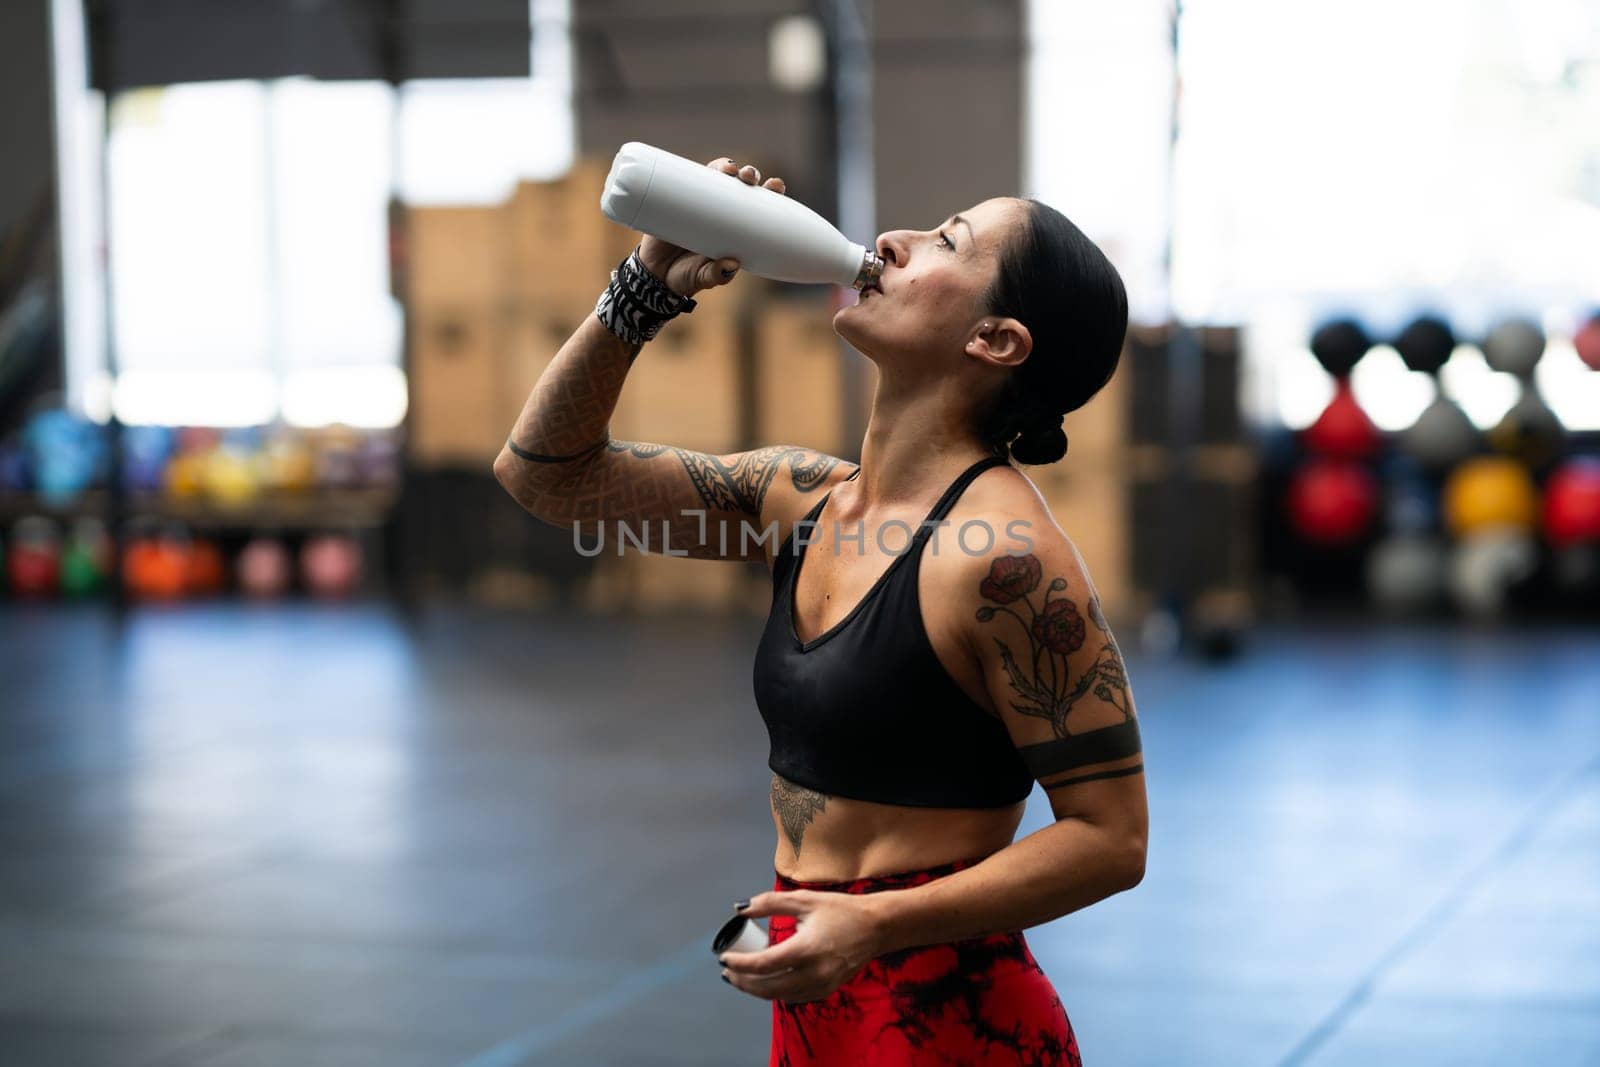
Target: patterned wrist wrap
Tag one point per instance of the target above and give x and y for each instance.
(637, 304)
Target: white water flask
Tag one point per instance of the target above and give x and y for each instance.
(718, 216)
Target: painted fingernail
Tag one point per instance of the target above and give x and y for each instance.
(740, 905)
(722, 960)
(725, 979)
(728, 272)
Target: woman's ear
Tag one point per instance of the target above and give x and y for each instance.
(1003, 342)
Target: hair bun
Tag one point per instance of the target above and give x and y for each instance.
(1041, 442)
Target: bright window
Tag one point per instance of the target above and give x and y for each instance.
(1377, 157)
(249, 229)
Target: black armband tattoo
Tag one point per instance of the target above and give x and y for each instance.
(1124, 772)
(542, 457)
(1081, 750)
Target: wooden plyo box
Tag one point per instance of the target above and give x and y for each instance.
(798, 370)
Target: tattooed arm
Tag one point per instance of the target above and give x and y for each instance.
(562, 466)
(1057, 681)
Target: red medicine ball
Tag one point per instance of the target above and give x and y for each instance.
(1572, 503)
(1587, 342)
(1332, 502)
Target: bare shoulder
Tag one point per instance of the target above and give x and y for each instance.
(1001, 517)
(1031, 616)
(1028, 615)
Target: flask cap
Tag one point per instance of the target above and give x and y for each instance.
(871, 270)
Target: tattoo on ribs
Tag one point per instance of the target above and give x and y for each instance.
(741, 486)
(1043, 683)
(796, 807)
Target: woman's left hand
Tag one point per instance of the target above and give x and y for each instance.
(836, 934)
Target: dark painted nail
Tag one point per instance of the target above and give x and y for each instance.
(725, 978)
(740, 905)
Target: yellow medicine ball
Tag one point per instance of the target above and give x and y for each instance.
(231, 477)
(185, 475)
(1490, 492)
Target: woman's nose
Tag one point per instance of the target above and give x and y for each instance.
(892, 248)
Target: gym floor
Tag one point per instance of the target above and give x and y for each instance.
(326, 837)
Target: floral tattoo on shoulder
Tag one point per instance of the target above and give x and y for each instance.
(1054, 630)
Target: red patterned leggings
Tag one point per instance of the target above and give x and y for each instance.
(981, 1001)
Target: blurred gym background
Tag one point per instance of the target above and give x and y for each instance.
(316, 751)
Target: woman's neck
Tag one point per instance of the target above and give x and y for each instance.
(914, 437)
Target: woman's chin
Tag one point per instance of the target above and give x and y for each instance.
(847, 324)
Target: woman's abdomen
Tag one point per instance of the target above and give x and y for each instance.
(824, 838)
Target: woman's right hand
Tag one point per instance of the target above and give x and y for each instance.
(686, 272)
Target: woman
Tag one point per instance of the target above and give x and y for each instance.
(935, 645)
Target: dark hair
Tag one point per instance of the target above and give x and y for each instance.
(1058, 284)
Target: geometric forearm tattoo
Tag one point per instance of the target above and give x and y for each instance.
(796, 807)
(1047, 682)
(563, 440)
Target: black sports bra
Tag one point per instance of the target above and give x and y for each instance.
(865, 710)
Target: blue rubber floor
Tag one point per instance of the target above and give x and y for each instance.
(310, 837)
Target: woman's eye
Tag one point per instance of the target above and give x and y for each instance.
(944, 240)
